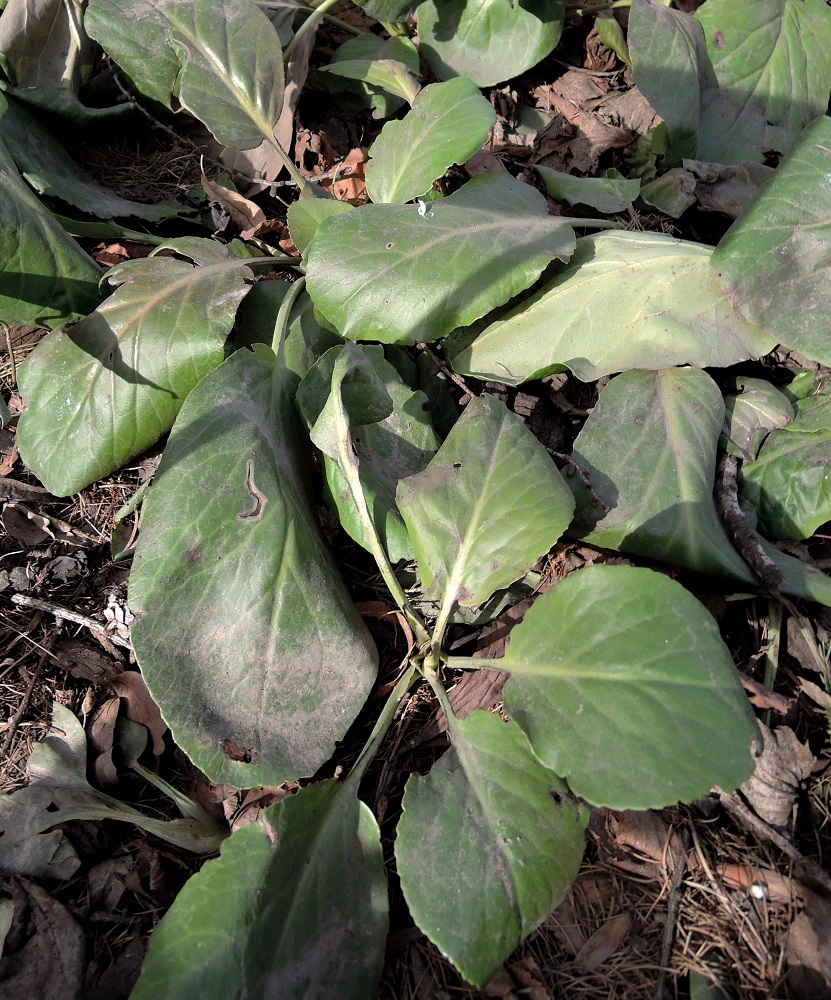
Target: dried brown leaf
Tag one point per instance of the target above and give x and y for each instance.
(781, 767)
(604, 942)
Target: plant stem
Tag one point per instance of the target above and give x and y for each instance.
(385, 720)
(349, 465)
(392, 28)
(281, 324)
(307, 26)
(295, 174)
(592, 223)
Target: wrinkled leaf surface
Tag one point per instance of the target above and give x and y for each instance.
(751, 414)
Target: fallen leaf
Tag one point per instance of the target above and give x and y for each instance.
(50, 964)
(782, 764)
(566, 927)
(604, 942)
(86, 662)
(484, 162)
(760, 883)
(22, 528)
(246, 215)
(807, 952)
(141, 708)
(528, 976)
(349, 184)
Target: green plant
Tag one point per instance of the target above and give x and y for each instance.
(621, 691)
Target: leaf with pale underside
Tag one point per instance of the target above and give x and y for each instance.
(515, 836)
(751, 414)
(488, 505)
(625, 688)
(128, 366)
(448, 123)
(775, 261)
(295, 906)
(392, 274)
(649, 450)
(222, 61)
(245, 633)
(625, 300)
(772, 59)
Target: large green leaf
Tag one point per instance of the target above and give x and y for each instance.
(625, 300)
(396, 445)
(221, 61)
(649, 448)
(49, 169)
(448, 123)
(389, 273)
(45, 277)
(487, 40)
(391, 62)
(100, 392)
(775, 262)
(486, 508)
(672, 70)
(789, 484)
(610, 193)
(295, 907)
(514, 836)
(625, 688)
(245, 632)
(772, 59)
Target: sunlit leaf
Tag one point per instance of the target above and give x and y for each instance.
(625, 300)
(751, 413)
(390, 273)
(775, 262)
(128, 366)
(448, 123)
(604, 194)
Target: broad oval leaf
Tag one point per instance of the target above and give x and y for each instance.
(102, 391)
(309, 210)
(775, 262)
(604, 194)
(625, 300)
(487, 40)
(772, 59)
(672, 70)
(389, 273)
(43, 45)
(221, 61)
(649, 449)
(488, 505)
(448, 123)
(625, 688)
(789, 484)
(294, 907)
(515, 837)
(45, 277)
(244, 630)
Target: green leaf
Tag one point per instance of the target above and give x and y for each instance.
(448, 123)
(362, 52)
(245, 632)
(625, 688)
(751, 414)
(388, 273)
(295, 906)
(102, 391)
(385, 74)
(389, 448)
(604, 194)
(31, 841)
(626, 300)
(387, 10)
(672, 70)
(487, 40)
(611, 34)
(45, 277)
(48, 168)
(515, 837)
(789, 484)
(773, 63)
(775, 262)
(729, 190)
(310, 209)
(672, 193)
(485, 509)
(43, 44)
(649, 449)
(222, 62)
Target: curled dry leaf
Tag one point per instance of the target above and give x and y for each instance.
(782, 764)
(604, 942)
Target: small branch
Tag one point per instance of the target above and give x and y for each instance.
(11, 489)
(745, 540)
(64, 614)
(662, 992)
(14, 721)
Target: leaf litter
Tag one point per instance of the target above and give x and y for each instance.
(746, 916)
